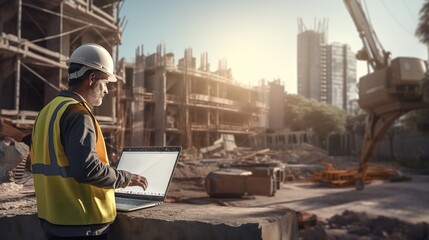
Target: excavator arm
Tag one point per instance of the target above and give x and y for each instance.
(388, 92)
(372, 51)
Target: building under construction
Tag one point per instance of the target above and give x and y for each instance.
(182, 104)
(155, 101)
(36, 38)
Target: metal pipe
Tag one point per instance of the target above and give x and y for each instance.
(40, 76)
(60, 74)
(18, 58)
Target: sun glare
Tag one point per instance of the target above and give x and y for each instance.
(251, 56)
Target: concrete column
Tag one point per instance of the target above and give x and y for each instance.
(160, 106)
(137, 113)
(54, 75)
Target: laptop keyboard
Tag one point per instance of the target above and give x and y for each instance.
(133, 202)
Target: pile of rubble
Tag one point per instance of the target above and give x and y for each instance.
(269, 168)
(353, 225)
(13, 153)
(299, 162)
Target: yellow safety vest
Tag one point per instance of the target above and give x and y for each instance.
(60, 199)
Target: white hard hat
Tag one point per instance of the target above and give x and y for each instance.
(92, 56)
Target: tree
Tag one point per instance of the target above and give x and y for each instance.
(296, 108)
(418, 120)
(422, 31)
(303, 114)
(356, 123)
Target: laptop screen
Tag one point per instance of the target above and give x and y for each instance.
(155, 163)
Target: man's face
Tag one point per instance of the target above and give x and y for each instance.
(97, 91)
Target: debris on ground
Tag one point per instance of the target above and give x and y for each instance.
(12, 153)
(306, 220)
(10, 187)
(302, 163)
(357, 225)
(298, 163)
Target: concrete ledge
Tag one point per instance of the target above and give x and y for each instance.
(183, 221)
(173, 221)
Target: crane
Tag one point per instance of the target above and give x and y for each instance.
(386, 93)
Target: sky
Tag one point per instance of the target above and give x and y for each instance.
(257, 38)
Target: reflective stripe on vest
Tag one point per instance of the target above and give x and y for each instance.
(53, 169)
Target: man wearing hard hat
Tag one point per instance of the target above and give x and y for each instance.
(73, 181)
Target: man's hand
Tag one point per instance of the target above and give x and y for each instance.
(137, 180)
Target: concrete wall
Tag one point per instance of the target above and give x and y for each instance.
(404, 146)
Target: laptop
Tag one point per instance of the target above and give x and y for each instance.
(157, 164)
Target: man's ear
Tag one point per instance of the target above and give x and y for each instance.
(91, 79)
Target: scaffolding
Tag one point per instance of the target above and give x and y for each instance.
(36, 38)
(154, 102)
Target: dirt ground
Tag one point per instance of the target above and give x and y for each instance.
(383, 210)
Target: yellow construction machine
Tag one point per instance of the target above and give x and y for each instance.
(386, 93)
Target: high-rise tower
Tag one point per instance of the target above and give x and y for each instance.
(340, 75)
(312, 61)
(326, 72)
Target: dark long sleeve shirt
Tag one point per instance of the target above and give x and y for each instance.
(79, 137)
